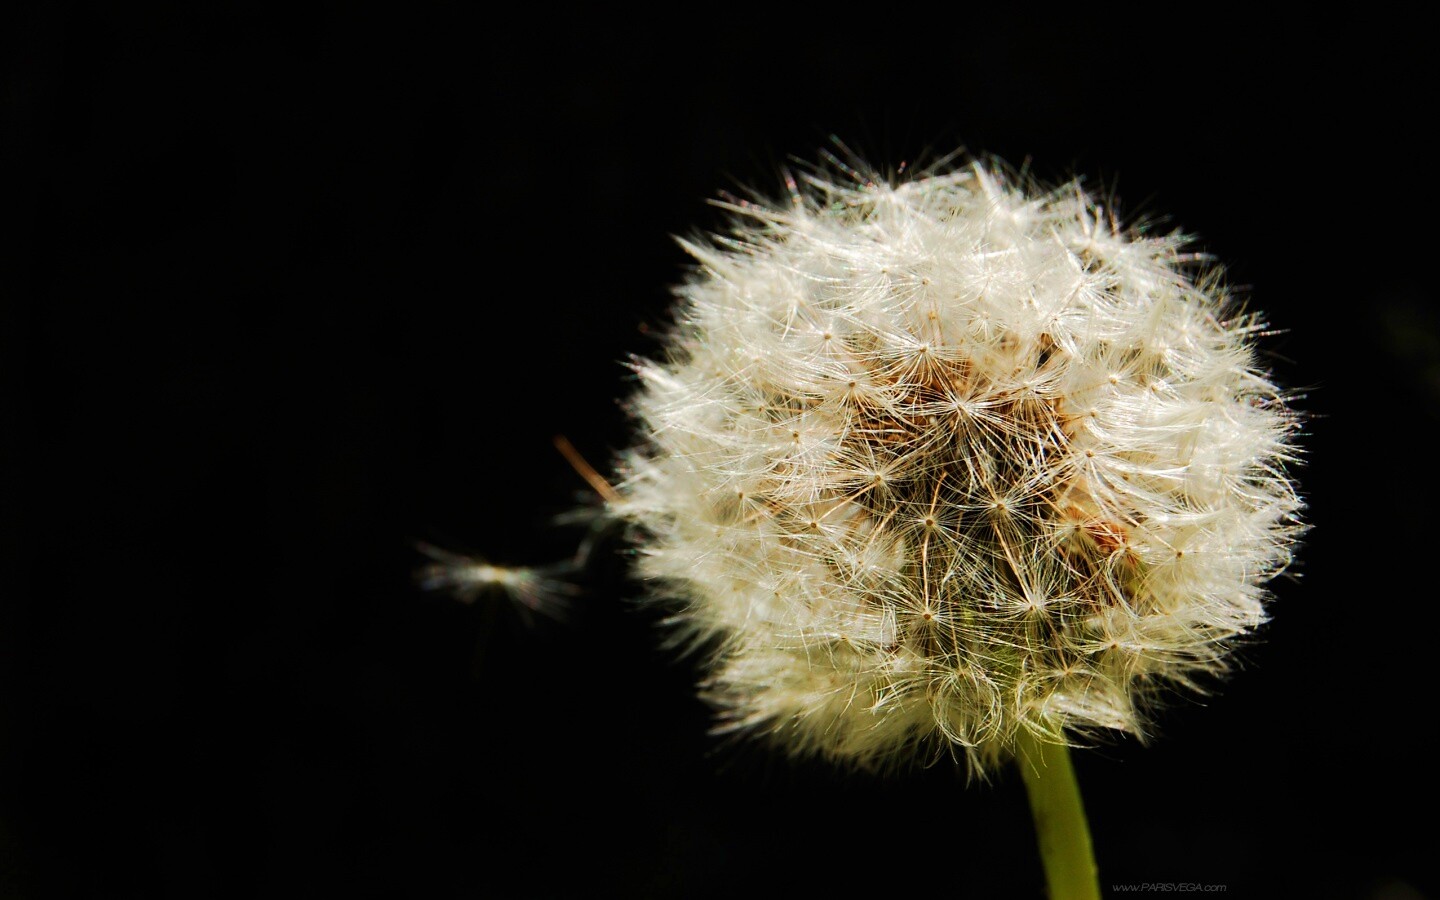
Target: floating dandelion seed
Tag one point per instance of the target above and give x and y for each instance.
(542, 590)
(954, 462)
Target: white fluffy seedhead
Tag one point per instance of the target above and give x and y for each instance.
(937, 459)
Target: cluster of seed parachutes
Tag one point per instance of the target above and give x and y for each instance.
(930, 462)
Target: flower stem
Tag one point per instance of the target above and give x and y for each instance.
(1064, 835)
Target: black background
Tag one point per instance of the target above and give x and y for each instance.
(292, 289)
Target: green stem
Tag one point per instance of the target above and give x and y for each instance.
(1060, 824)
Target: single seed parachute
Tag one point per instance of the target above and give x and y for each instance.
(939, 461)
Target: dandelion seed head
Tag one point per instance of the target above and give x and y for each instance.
(932, 461)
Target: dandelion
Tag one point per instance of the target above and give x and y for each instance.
(952, 463)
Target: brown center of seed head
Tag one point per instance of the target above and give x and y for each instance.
(978, 485)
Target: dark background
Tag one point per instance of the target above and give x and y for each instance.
(291, 290)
